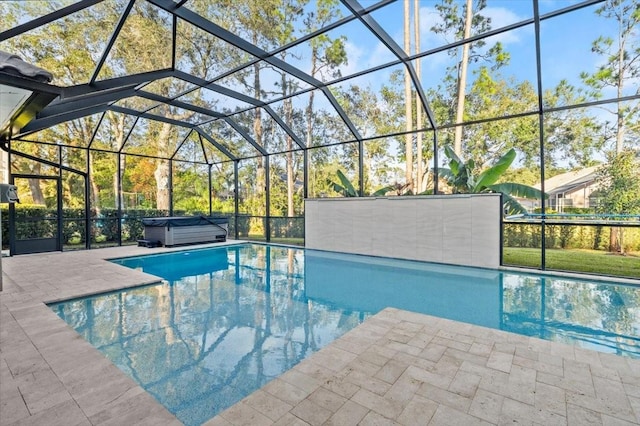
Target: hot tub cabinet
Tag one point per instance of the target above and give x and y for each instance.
(174, 231)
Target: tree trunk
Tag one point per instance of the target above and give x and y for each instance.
(615, 233)
(95, 189)
(34, 186)
(288, 119)
(615, 240)
(408, 139)
(36, 192)
(162, 184)
(290, 172)
(290, 182)
(416, 29)
(462, 79)
(118, 131)
(620, 127)
(260, 182)
(162, 169)
(289, 158)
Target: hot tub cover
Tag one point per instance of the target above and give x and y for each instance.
(13, 64)
(183, 221)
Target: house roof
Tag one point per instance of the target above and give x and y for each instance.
(566, 182)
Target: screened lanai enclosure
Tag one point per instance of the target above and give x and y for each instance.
(245, 108)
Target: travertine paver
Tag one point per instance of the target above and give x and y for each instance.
(397, 368)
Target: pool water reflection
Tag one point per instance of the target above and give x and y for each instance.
(228, 320)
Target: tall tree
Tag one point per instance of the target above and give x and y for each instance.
(573, 137)
(619, 189)
(621, 67)
(369, 114)
(492, 96)
(408, 139)
(267, 24)
(462, 77)
(68, 48)
(327, 55)
(419, 124)
(458, 23)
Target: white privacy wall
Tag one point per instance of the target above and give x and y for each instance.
(455, 229)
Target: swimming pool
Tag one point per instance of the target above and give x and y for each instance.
(227, 320)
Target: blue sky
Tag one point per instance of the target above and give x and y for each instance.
(566, 40)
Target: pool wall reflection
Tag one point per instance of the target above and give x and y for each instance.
(356, 283)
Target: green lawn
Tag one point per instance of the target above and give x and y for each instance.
(591, 261)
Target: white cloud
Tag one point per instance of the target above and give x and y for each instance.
(501, 17)
(380, 55)
(354, 55)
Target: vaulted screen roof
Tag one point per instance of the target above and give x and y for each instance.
(210, 70)
(197, 68)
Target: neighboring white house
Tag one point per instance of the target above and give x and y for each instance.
(570, 189)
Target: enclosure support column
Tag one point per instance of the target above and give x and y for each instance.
(536, 16)
(210, 189)
(267, 200)
(9, 170)
(12, 211)
(361, 167)
(235, 195)
(87, 204)
(501, 227)
(170, 187)
(119, 198)
(435, 161)
(59, 204)
(305, 174)
(12, 216)
(0, 248)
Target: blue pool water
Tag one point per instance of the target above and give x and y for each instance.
(227, 320)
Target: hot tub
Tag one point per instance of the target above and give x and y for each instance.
(182, 230)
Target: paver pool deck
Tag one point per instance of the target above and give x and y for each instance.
(397, 368)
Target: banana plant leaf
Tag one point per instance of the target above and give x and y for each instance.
(493, 173)
(344, 187)
(445, 173)
(383, 191)
(453, 158)
(510, 190)
(512, 206)
(517, 190)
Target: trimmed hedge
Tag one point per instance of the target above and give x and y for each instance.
(568, 236)
(38, 221)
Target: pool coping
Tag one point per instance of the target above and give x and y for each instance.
(397, 367)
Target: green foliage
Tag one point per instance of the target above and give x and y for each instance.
(34, 221)
(287, 227)
(578, 237)
(346, 188)
(619, 183)
(462, 178)
(619, 68)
